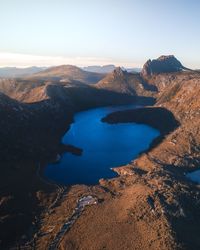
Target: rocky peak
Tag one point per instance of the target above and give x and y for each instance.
(163, 64)
(118, 72)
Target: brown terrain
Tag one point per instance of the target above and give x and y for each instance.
(150, 205)
(66, 73)
(130, 83)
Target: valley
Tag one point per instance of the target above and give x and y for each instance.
(149, 195)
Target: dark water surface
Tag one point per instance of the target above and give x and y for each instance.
(104, 146)
(194, 176)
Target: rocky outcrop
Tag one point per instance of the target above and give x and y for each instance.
(121, 81)
(163, 64)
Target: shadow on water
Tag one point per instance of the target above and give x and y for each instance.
(104, 146)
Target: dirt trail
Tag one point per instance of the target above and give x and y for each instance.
(81, 204)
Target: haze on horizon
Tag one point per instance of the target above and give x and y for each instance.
(91, 32)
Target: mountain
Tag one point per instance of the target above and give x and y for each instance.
(121, 81)
(34, 117)
(116, 81)
(100, 69)
(108, 69)
(132, 70)
(150, 198)
(34, 105)
(163, 64)
(67, 73)
(175, 153)
(13, 72)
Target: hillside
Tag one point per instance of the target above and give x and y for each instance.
(123, 82)
(30, 133)
(68, 73)
(163, 80)
(151, 195)
(165, 166)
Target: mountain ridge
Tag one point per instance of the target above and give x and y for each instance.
(163, 64)
(68, 73)
(152, 192)
(14, 72)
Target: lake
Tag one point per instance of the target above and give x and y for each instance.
(104, 146)
(194, 176)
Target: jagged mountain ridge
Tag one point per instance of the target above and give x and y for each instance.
(163, 64)
(124, 82)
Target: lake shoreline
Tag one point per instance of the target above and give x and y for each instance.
(148, 115)
(104, 147)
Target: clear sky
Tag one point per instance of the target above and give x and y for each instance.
(86, 32)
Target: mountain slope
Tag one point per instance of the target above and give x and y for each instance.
(123, 82)
(30, 133)
(13, 72)
(68, 73)
(165, 166)
(150, 205)
(163, 64)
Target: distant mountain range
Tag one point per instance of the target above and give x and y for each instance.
(108, 69)
(58, 71)
(92, 74)
(12, 72)
(68, 73)
(100, 69)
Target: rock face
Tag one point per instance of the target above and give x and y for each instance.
(117, 81)
(121, 81)
(163, 64)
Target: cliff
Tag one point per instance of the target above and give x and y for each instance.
(163, 64)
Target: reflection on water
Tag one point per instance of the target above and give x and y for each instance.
(194, 176)
(104, 146)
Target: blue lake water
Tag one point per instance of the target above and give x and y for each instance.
(194, 176)
(104, 146)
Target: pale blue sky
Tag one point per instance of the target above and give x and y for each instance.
(125, 32)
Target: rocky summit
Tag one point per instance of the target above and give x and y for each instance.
(163, 64)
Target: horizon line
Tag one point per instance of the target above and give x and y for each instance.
(20, 60)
